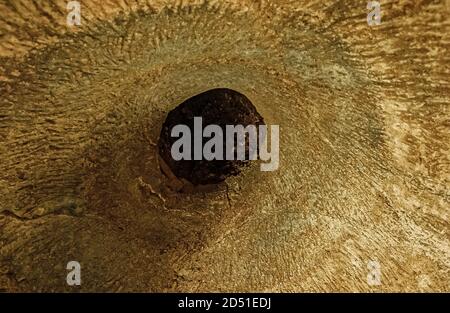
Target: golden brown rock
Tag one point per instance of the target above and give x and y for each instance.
(365, 135)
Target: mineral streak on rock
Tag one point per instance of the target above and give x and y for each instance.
(364, 148)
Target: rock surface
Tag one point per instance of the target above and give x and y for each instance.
(364, 147)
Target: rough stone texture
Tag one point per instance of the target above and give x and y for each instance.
(365, 135)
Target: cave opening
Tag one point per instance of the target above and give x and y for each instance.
(218, 107)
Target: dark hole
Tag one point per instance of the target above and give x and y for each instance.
(218, 107)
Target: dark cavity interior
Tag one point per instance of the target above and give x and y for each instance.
(219, 107)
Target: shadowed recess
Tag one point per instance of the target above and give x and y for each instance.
(216, 107)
